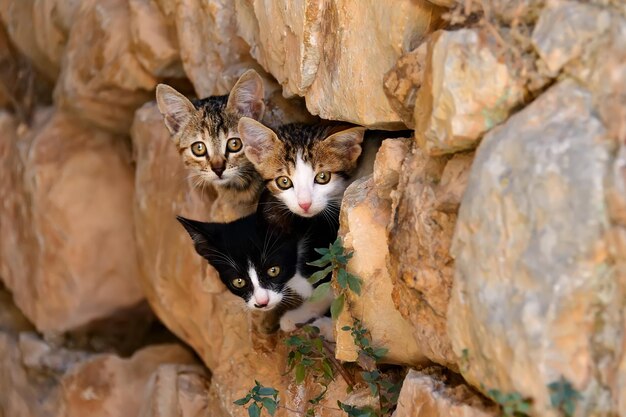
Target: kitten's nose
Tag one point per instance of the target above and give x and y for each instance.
(261, 305)
(305, 206)
(218, 169)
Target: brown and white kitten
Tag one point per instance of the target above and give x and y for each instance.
(306, 167)
(206, 135)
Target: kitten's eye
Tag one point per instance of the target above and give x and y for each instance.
(198, 149)
(273, 271)
(238, 283)
(234, 145)
(323, 177)
(284, 183)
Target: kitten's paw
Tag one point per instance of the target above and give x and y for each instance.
(287, 323)
(325, 324)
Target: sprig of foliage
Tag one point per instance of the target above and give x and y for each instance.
(308, 357)
(261, 398)
(512, 403)
(386, 391)
(334, 259)
(563, 396)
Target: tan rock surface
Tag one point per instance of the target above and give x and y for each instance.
(466, 90)
(67, 248)
(425, 207)
(212, 320)
(433, 392)
(305, 46)
(530, 231)
(101, 80)
(388, 165)
(364, 219)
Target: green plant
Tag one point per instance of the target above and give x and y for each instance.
(512, 403)
(563, 396)
(261, 398)
(334, 259)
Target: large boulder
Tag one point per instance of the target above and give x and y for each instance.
(306, 46)
(535, 296)
(67, 250)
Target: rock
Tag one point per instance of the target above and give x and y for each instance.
(466, 90)
(108, 386)
(564, 29)
(67, 249)
(531, 231)
(213, 55)
(305, 47)
(212, 320)
(424, 215)
(101, 80)
(388, 165)
(154, 39)
(435, 392)
(364, 219)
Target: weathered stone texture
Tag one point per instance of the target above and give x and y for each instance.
(305, 45)
(67, 250)
(433, 392)
(364, 219)
(531, 231)
(466, 89)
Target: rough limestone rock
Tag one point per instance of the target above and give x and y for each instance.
(433, 392)
(109, 386)
(306, 46)
(425, 207)
(101, 80)
(364, 219)
(531, 231)
(179, 390)
(155, 41)
(388, 165)
(466, 90)
(213, 55)
(212, 320)
(67, 250)
(564, 29)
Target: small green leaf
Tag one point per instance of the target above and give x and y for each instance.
(354, 283)
(342, 278)
(320, 292)
(320, 275)
(300, 373)
(337, 247)
(346, 328)
(267, 391)
(336, 307)
(323, 261)
(322, 251)
(270, 405)
(328, 370)
(380, 353)
(254, 410)
(242, 401)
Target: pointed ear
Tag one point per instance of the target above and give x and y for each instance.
(259, 141)
(175, 107)
(246, 97)
(346, 143)
(200, 234)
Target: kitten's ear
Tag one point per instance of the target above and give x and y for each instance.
(246, 97)
(199, 234)
(346, 143)
(259, 141)
(175, 107)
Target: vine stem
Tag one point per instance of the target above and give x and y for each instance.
(331, 355)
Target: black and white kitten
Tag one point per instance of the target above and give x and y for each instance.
(264, 265)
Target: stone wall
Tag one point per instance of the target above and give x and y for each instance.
(491, 244)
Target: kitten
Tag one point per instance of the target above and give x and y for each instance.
(261, 264)
(206, 135)
(306, 167)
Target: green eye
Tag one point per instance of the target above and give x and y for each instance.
(238, 283)
(323, 177)
(284, 183)
(273, 271)
(234, 145)
(198, 149)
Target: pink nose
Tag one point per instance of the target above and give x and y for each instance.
(261, 301)
(305, 206)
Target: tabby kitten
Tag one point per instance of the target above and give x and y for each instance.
(206, 135)
(260, 264)
(306, 167)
